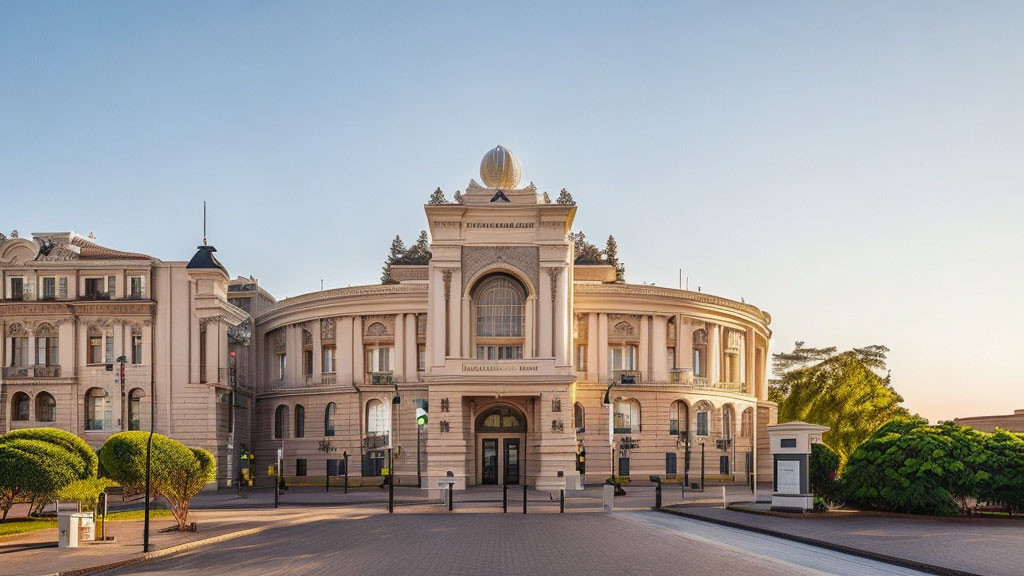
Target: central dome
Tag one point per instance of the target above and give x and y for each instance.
(500, 168)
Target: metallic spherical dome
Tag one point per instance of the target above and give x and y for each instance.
(500, 168)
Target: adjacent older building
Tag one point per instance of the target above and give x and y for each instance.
(535, 365)
(94, 337)
(1009, 422)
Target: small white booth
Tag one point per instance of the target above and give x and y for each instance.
(74, 528)
(791, 451)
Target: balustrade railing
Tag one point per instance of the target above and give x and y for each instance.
(36, 371)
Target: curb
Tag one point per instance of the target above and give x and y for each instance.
(895, 561)
(161, 553)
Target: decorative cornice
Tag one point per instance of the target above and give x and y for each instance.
(685, 295)
(354, 291)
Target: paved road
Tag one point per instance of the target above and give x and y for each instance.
(355, 541)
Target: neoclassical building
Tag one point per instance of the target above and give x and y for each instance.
(512, 348)
(533, 366)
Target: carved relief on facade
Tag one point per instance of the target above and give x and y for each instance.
(17, 329)
(328, 328)
(623, 326)
(44, 330)
(379, 326)
(446, 276)
(307, 337)
(526, 259)
(553, 274)
(280, 340)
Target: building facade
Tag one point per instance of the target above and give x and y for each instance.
(534, 366)
(512, 348)
(1009, 422)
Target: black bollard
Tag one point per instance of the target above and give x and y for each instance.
(657, 496)
(504, 498)
(451, 496)
(561, 501)
(524, 498)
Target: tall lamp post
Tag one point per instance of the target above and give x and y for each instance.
(611, 428)
(396, 400)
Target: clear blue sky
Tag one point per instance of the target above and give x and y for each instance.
(856, 169)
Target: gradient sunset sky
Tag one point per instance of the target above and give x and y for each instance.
(855, 169)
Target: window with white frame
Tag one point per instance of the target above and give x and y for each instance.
(49, 289)
(328, 359)
(500, 311)
(703, 419)
(679, 419)
(136, 347)
(19, 354)
(15, 288)
(136, 287)
(97, 410)
(626, 416)
(622, 357)
(380, 359)
(378, 418)
(282, 366)
(700, 353)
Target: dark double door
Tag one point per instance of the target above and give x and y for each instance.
(503, 465)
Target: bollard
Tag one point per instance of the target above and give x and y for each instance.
(561, 501)
(524, 498)
(725, 500)
(451, 496)
(683, 484)
(657, 496)
(391, 495)
(504, 498)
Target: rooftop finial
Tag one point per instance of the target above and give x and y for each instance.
(204, 222)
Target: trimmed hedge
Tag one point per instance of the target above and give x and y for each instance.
(824, 473)
(36, 463)
(177, 472)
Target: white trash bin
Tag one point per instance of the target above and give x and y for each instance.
(608, 492)
(67, 530)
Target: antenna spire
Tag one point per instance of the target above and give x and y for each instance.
(204, 222)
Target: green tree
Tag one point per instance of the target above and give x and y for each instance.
(394, 254)
(36, 463)
(178, 472)
(1003, 483)
(437, 197)
(838, 390)
(586, 253)
(908, 466)
(418, 253)
(823, 472)
(86, 492)
(611, 252)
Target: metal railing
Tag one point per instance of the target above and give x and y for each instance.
(381, 378)
(627, 376)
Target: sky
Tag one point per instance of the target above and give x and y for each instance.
(855, 169)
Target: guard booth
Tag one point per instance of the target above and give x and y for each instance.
(791, 452)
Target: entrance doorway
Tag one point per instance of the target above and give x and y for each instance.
(500, 440)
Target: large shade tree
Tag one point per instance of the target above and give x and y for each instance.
(178, 472)
(37, 463)
(841, 390)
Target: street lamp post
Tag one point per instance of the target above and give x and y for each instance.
(611, 429)
(396, 400)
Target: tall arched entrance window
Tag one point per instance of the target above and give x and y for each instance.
(135, 409)
(499, 309)
(46, 407)
(19, 406)
(281, 421)
(700, 353)
(378, 426)
(501, 440)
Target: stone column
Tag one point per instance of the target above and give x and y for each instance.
(294, 354)
(714, 353)
(644, 361)
(529, 327)
(561, 317)
(592, 347)
(684, 344)
(343, 335)
(659, 342)
(318, 350)
(602, 348)
(437, 338)
(545, 348)
(467, 350)
(455, 324)
(412, 349)
(400, 350)
(358, 354)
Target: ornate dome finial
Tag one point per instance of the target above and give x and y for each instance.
(500, 168)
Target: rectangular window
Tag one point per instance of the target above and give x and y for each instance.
(17, 291)
(202, 356)
(379, 359)
(62, 288)
(41, 350)
(94, 288)
(300, 467)
(95, 349)
(421, 357)
(581, 358)
(622, 358)
(307, 362)
(109, 348)
(135, 287)
(328, 356)
(19, 352)
(282, 366)
(49, 289)
(702, 423)
(111, 286)
(136, 348)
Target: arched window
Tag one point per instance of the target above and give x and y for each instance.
(377, 418)
(46, 408)
(329, 412)
(500, 312)
(627, 416)
(135, 409)
(746, 422)
(704, 409)
(700, 353)
(728, 420)
(19, 406)
(578, 418)
(679, 419)
(281, 421)
(300, 421)
(97, 409)
(501, 419)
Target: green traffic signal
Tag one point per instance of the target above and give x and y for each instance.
(421, 417)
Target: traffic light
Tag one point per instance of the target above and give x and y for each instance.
(421, 417)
